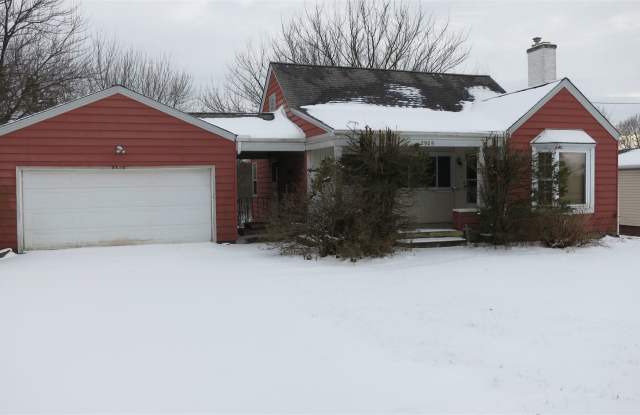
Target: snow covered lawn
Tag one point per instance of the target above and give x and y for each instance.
(210, 328)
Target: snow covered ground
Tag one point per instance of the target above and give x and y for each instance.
(211, 328)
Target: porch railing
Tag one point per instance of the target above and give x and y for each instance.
(253, 209)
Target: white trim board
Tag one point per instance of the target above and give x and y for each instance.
(269, 144)
(117, 89)
(312, 120)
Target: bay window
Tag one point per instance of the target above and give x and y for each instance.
(573, 151)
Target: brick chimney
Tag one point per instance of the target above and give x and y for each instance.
(542, 62)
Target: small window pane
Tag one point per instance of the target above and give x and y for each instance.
(545, 178)
(444, 171)
(577, 178)
(545, 166)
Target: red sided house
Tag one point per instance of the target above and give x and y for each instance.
(118, 168)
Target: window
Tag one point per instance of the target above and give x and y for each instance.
(272, 102)
(254, 178)
(579, 162)
(576, 189)
(574, 150)
(441, 166)
(546, 178)
(471, 177)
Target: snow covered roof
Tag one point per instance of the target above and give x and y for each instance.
(553, 136)
(273, 125)
(483, 110)
(629, 159)
(305, 85)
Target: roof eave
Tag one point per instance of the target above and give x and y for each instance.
(313, 120)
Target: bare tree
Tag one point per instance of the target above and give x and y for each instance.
(41, 55)
(213, 98)
(630, 132)
(243, 85)
(155, 77)
(390, 34)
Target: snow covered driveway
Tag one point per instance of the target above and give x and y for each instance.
(210, 328)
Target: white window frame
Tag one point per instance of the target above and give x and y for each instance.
(590, 167)
(436, 171)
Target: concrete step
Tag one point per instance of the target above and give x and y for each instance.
(431, 242)
(431, 233)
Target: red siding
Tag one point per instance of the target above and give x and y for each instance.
(260, 209)
(86, 137)
(273, 87)
(563, 111)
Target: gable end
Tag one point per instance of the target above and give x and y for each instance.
(579, 96)
(114, 90)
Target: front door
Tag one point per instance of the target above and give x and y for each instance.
(434, 203)
(439, 203)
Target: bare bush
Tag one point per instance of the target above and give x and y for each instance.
(504, 192)
(353, 209)
(514, 211)
(560, 229)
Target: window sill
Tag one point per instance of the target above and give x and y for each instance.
(581, 209)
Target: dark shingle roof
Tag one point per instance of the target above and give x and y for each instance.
(311, 84)
(268, 116)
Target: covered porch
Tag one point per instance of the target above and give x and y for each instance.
(449, 197)
(263, 180)
(270, 161)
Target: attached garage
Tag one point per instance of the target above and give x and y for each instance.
(63, 208)
(115, 168)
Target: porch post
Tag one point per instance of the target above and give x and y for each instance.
(479, 173)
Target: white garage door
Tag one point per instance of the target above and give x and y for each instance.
(63, 208)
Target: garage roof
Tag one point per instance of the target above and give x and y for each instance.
(256, 125)
(116, 89)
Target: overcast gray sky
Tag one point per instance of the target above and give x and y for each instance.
(598, 42)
